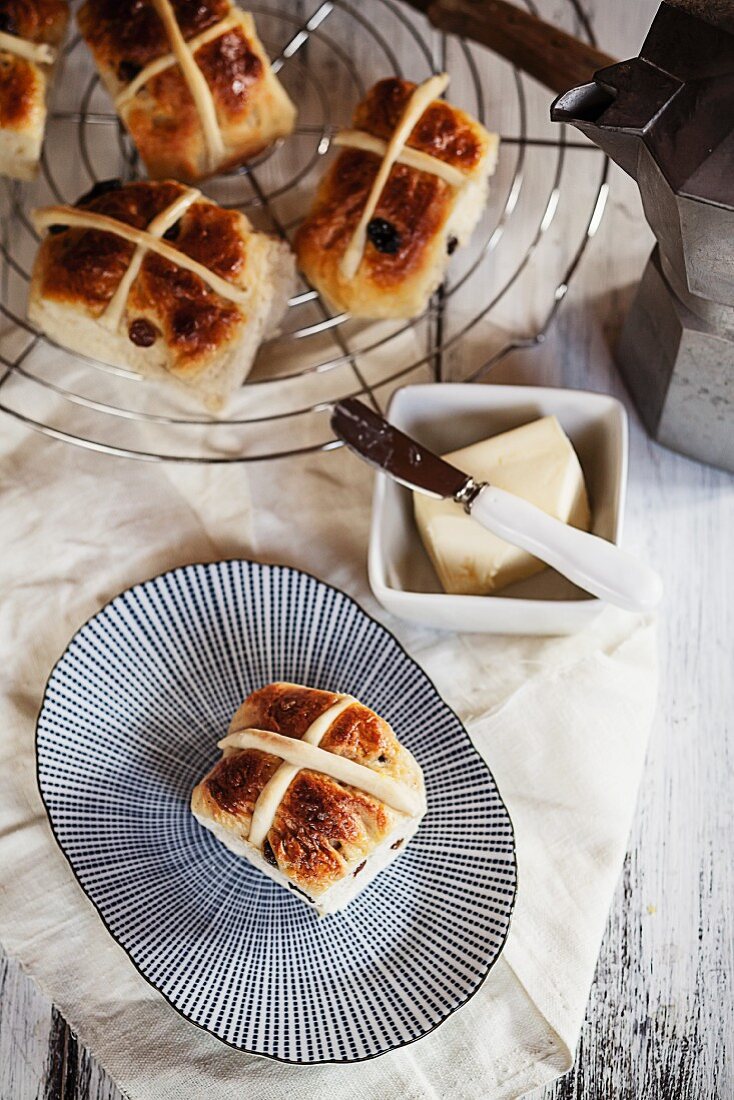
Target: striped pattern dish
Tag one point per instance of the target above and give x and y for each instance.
(130, 721)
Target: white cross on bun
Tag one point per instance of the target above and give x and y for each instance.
(429, 205)
(327, 821)
(191, 82)
(154, 277)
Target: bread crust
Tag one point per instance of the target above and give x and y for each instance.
(22, 93)
(37, 20)
(252, 109)
(443, 131)
(164, 123)
(322, 828)
(190, 326)
(129, 32)
(415, 203)
(24, 83)
(420, 207)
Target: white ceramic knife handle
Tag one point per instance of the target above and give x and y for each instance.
(591, 562)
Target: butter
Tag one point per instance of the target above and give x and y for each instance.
(536, 462)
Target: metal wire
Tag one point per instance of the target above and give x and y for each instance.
(43, 387)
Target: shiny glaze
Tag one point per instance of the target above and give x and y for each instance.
(322, 827)
(443, 131)
(416, 203)
(231, 69)
(35, 20)
(21, 91)
(86, 266)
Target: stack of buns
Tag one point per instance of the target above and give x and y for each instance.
(121, 277)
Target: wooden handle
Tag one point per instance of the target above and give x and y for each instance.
(553, 57)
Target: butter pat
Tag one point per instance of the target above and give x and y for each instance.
(536, 462)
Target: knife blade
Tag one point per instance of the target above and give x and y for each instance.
(381, 444)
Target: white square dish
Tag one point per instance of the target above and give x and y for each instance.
(449, 416)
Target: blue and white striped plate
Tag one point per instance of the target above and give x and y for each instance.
(130, 722)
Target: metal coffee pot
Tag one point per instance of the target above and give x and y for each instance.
(667, 118)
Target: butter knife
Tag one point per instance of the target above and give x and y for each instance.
(593, 563)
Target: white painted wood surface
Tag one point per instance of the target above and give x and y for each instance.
(661, 1010)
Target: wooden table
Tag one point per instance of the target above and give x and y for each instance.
(661, 1010)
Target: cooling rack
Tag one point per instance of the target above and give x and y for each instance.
(547, 200)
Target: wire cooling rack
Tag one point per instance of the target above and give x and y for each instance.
(500, 294)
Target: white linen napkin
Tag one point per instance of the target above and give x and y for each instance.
(563, 724)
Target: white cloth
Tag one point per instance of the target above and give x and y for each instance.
(563, 724)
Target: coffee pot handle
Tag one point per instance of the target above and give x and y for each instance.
(550, 55)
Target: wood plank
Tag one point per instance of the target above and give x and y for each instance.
(25, 1020)
(40, 1056)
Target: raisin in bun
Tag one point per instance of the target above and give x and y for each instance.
(376, 243)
